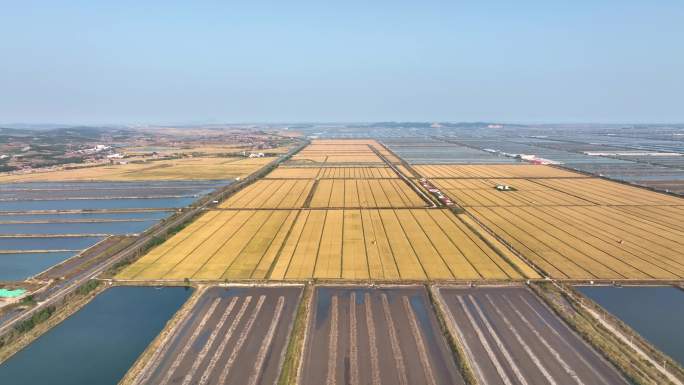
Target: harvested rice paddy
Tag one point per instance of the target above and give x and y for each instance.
(594, 242)
(324, 193)
(604, 192)
(340, 151)
(494, 171)
(271, 194)
(572, 228)
(350, 193)
(351, 244)
(526, 192)
(332, 173)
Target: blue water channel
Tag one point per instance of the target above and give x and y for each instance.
(97, 345)
(654, 312)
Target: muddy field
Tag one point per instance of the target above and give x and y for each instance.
(511, 338)
(232, 336)
(375, 336)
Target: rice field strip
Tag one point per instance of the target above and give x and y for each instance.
(310, 194)
(364, 193)
(608, 232)
(241, 340)
(372, 341)
(667, 216)
(331, 377)
(282, 244)
(557, 234)
(565, 191)
(353, 343)
(178, 238)
(633, 260)
(217, 230)
(672, 237)
(432, 242)
(418, 337)
(210, 342)
(364, 253)
(318, 245)
(254, 234)
(186, 348)
(394, 341)
(647, 225)
(605, 192)
(266, 344)
(541, 260)
(629, 254)
(270, 194)
(285, 244)
(420, 263)
(526, 347)
(657, 214)
(224, 343)
(286, 222)
(232, 237)
(511, 171)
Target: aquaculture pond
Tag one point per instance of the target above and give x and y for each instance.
(95, 204)
(114, 228)
(85, 216)
(19, 266)
(47, 243)
(98, 344)
(654, 312)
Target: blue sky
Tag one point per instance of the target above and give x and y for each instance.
(269, 61)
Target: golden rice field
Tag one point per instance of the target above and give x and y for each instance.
(483, 193)
(573, 228)
(327, 193)
(549, 192)
(332, 173)
(358, 244)
(494, 171)
(339, 151)
(273, 194)
(594, 242)
(605, 192)
(354, 193)
(176, 169)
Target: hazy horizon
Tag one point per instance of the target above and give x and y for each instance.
(78, 62)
